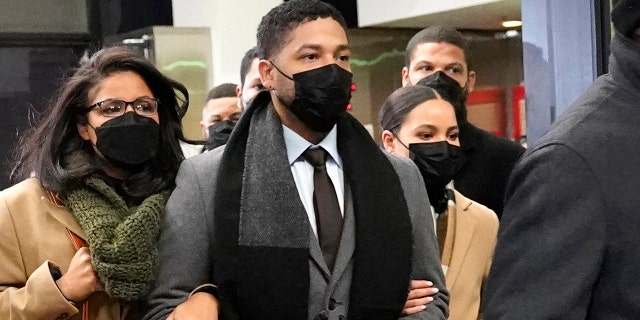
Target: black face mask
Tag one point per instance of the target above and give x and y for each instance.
(322, 95)
(450, 90)
(219, 133)
(438, 163)
(129, 139)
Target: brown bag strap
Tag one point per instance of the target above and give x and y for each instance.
(77, 244)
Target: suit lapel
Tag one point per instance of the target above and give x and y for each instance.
(464, 228)
(348, 241)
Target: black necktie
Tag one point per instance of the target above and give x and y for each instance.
(325, 205)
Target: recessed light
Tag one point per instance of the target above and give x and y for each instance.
(512, 23)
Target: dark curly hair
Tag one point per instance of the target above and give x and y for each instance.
(279, 21)
(245, 65)
(55, 153)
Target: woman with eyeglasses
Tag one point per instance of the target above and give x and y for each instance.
(78, 232)
(419, 124)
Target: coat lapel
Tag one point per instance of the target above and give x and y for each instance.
(347, 242)
(62, 214)
(464, 228)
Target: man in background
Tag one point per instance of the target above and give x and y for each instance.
(439, 57)
(219, 115)
(250, 84)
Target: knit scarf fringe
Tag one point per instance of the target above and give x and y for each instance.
(122, 240)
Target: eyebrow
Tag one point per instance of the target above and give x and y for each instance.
(318, 47)
(433, 127)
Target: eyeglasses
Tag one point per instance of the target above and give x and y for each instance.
(143, 106)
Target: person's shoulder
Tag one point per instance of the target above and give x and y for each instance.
(206, 159)
(30, 187)
(400, 164)
(27, 195)
(397, 160)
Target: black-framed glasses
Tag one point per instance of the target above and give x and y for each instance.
(143, 106)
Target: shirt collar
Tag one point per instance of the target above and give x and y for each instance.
(296, 144)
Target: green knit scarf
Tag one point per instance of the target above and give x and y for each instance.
(122, 240)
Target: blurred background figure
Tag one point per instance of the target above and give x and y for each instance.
(250, 83)
(420, 125)
(219, 115)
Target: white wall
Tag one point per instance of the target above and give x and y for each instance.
(233, 27)
(372, 12)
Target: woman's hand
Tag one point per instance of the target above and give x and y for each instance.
(81, 279)
(420, 295)
(199, 306)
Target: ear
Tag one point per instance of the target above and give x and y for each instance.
(205, 132)
(388, 141)
(471, 81)
(265, 68)
(238, 91)
(83, 130)
(405, 76)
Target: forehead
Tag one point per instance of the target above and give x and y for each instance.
(126, 85)
(436, 112)
(322, 31)
(438, 52)
(216, 106)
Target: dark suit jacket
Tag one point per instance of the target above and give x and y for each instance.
(490, 160)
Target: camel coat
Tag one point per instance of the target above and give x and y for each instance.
(33, 239)
(468, 249)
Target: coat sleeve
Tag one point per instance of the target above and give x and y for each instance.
(184, 242)
(551, 239)
(25, 296)
(426, 256)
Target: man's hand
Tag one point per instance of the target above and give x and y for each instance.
(199, 306)
(420, 295)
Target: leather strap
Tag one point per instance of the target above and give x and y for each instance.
(77, 244)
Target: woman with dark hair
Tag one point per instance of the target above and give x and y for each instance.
(420, 125)
(78, 232)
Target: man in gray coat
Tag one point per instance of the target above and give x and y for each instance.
(256, 231)
(568, 240)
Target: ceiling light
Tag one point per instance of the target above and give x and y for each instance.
(512, 23)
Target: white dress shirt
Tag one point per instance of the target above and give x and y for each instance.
(303, 171)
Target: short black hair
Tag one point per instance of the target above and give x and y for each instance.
(245, 65)
(438, 34)
(395, 109)
(279, 21)
(225, 90)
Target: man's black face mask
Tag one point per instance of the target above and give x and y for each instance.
(450, 90)
(322, 95)
(219, 133)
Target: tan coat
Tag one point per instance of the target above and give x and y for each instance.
(33, 236)
(471, 238)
